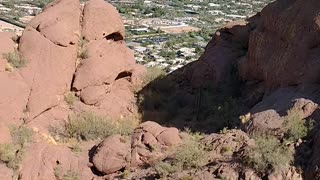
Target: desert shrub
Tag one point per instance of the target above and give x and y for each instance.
(8, 155)
(165, 168)
(296, 127)
(76, 148)
(21, 136)
(268, 154)
(82, 50)
(152, 74)
(70, 98)
(191, 154)
(12, 154)
(89, 126)
(15, 59)
(69, 175)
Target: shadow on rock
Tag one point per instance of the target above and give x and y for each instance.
(179, 100)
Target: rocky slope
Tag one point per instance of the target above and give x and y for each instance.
(68, 108)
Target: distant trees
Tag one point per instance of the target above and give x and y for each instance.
(167, 54)
(41, 3)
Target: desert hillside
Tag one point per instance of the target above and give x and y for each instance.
(75, 105)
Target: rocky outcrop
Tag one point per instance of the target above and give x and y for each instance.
(5, 134)
(44, 161)
(50, 45)
(5, 172)
(282, 53)
(112, 155)
(217, 63)
(150, 142)
(105, 19)
(14, 93)
(269, 114)
(226, 144)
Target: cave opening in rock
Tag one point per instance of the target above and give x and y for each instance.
(115, 37)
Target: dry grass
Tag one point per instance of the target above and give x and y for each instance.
(15, 59)
(12, 154)
(268, 155)
(70, 98)
(89, 126)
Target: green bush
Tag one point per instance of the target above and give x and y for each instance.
(12, 154)
(296, 127)
(8, 155)
(191, 154)
(165, 168)
(70, 98)
(15, 59)
(82, 50)
(21, 136)
(268, 154)
(89, 126)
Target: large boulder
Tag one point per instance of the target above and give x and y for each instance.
(283, 48)
(150, 142)
(59, 22)
(226, 144)
(107, 60)
(215, 65)
(44, 161)
(49, 45)
(104, 18)
(270, 113)
(112, 154)
(48, 72)
(14, 94)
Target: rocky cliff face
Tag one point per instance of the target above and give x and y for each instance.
(50, 45)
(257, 77)
(262, 67)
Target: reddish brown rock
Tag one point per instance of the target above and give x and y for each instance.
(107, 60)
(150, 143)
(49, 161)
(282, 53)
(59, 22)
(152, 127)
(48, 72)
(104, 18)
(5, 172)
(226, 144)
(120, 102)
(93, 94)
(112, 154)
(226, 46)
(169, 137)
(56, 116)
(5, 136)
(288, 173)
(269, 114)
(14, 93)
